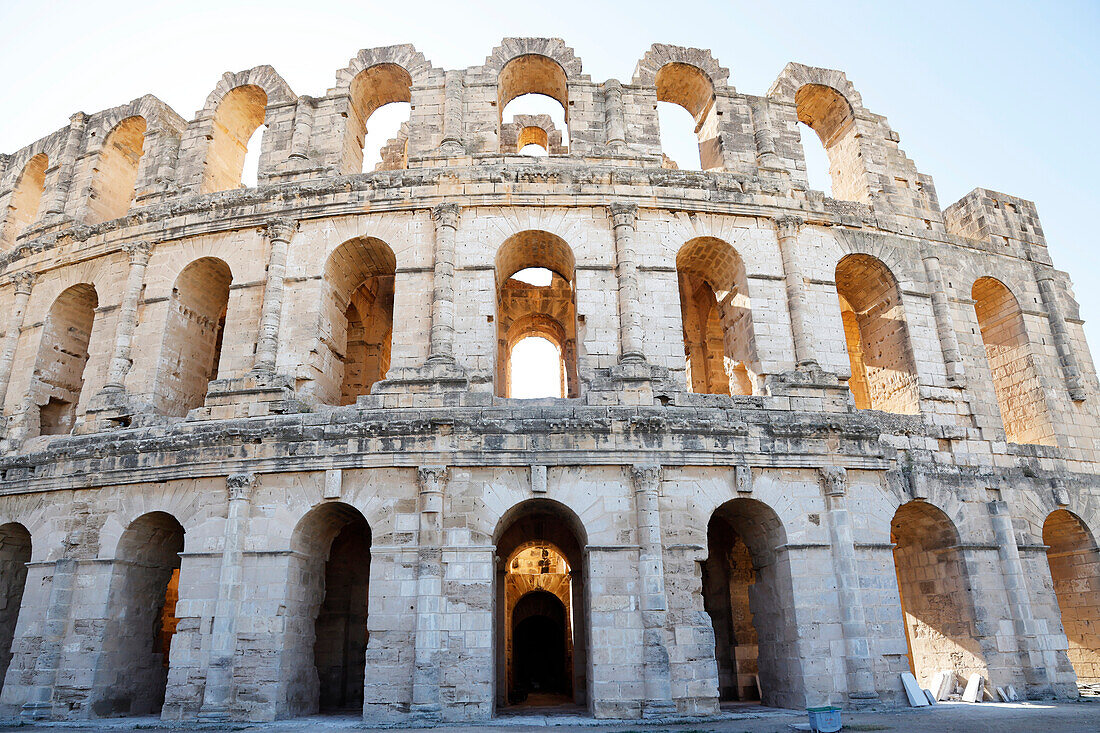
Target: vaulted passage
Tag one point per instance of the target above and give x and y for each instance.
(828, 113)
(540, 608)
(719, 341)
(536, 297)
(748, 595)
(1015, 379)
(191, 351)
(884, 376)
(132, 670)
(940, 625)
(239, 114)
(372, 89)
(534, 86)
(15, 553)
(116, 171)
(26, 198)
(1075, 569)
(357, 314)
(324, 652)
(62, 356)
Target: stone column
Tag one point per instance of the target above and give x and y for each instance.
(1044, 276)
(303, 128)
(127, 316)
(445, 217)
(223, 635)
(451, 143)
(797, 302)
(55, 204)
(853, 622)
(39, 702)
(762, 135)
(945, 328)
(23, 282)
(426, 703)
(1038, 678)
(623, 218)
(279, 231)
(654, 602)
(614, 118)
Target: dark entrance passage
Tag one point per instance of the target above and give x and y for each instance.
(340, 649)
(539, 668)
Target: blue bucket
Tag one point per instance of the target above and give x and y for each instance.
(824, 719)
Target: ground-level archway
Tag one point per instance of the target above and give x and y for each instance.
(541, 608)
(324, 653)
(131, 673)
(934, 587)
(1075, 571)
(15, 553)
(747, 593)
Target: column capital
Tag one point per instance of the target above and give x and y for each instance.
(431, 478)
(788, 226)
(613, 86)
(623, 213)
(138, 251)
(446, 215)
(646, 476)
(280, 229)
(23, 281)
(240, 485)
(834, 480)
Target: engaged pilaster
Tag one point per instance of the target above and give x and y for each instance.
(614, 118)
(1044, 276)
(23, 283)
(451, 144)
(623, 219)
(445, 217)
(654, 602)
(127, 316)
(945, 329)
(278, 232)
(429, 594)
(786, 228)
(853, 621)
(60, 193)
(223, 637)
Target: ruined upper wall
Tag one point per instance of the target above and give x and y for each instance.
(457, 120)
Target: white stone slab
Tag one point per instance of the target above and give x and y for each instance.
(1002, 695)
(913, 690)
(928, 694)
(947, 684)
(973, 692)
(1012, 695)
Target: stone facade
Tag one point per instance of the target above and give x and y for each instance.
(259, 457)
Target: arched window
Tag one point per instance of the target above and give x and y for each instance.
(1015, 378)
(689, 88)
(828, 113)
(884, 376)
(62, 356)
(536, 296)
(381, 97)
(238, 116)
(116, 171)
(26, 197)
(532, 85)
(719, 341)
(191, 350)
(358, 308)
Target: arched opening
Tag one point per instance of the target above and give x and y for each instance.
(533, 141)
(532, 85)
(132, 670)
(716, 314)
(689, 88)
(748, 595)
(536, 296)
(238, 116)
(1015, 378)
(15, 553)
(26, 197)
(193, 333)
(884, 375)
(828, 113)
(934, 587)
(385, 89)
(1075, 570)
(62, 356)
(357, 318)
(535, 365)
(324, 648)
(116, 171)
(818, 175)
(541, 611)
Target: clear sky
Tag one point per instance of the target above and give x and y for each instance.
(1002, 95)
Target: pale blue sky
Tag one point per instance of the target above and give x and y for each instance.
(1001, 95)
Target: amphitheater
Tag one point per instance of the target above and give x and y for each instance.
(260, 457)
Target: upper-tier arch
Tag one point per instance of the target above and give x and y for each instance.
(552, 48)
(404, 55)
(660, 55)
